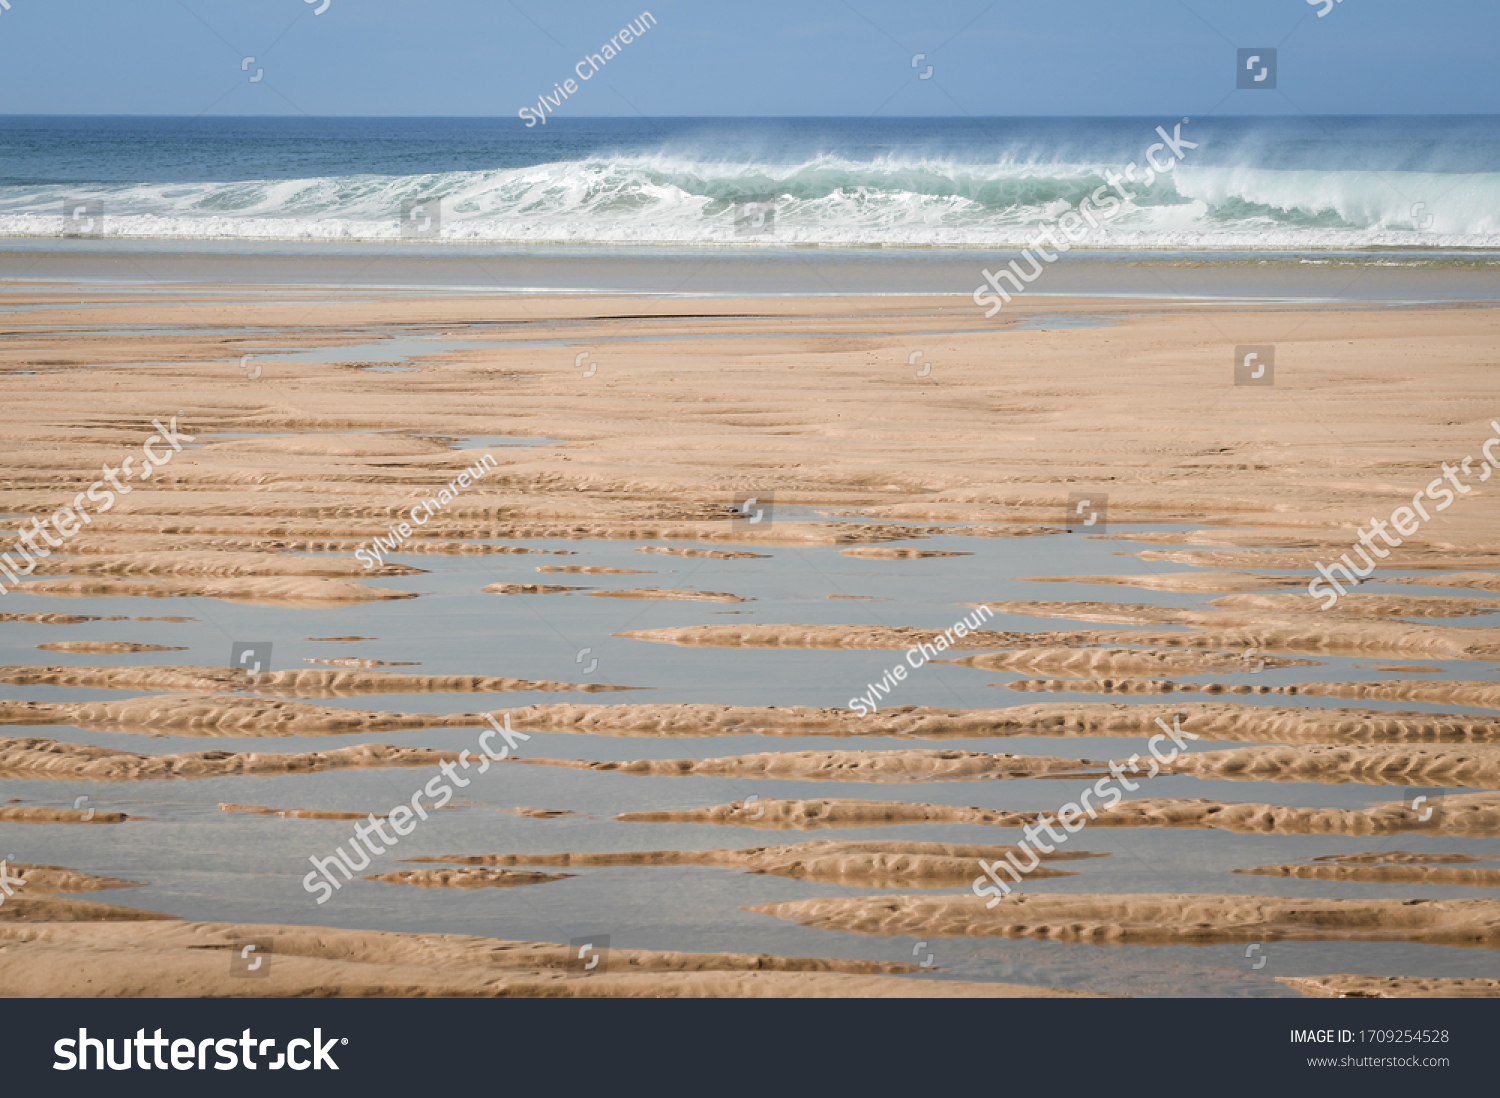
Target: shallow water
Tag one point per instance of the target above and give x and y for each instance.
(268, 272)
(201, 863)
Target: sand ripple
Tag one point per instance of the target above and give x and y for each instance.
(1206, 720)
(297, 682)
(824, 636)
(283, 591)
(79, 619)
(180, 959)
(783, 815)
(670, 594)
(1384, 874)
(1394, 987)
(38, 758)
(33, 902)
(1079, 662)
(1310, 632)
(1359, 604)
(1477, 767)
(467, 877)
(1155, 919)
(295, 813)
(889, 552)
(892, 864)
(1473, 694)
(1461, 814)
(36, 814)
(853, 766)
(179, 562)
(591, 570)
(225, 715)
(531, 589)
(104, 648)
(709, 554)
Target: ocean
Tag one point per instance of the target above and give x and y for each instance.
(1423, 186)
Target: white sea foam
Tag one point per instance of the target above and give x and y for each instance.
(824, 200)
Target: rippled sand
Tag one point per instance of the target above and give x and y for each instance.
(1156, 920)
(846, 766)
(867, 478)
(38, 758)
(81, 954)
(1462, 814)
(877, 864)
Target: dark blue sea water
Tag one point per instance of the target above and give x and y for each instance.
(1249, 184)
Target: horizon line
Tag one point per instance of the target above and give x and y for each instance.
(739, 117)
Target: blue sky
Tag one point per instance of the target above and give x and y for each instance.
(767, 58)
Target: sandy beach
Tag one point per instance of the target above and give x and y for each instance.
(626, 434)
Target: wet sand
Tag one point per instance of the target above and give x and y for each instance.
(915, 482)
(877, 864)
(75, 948)
(1473, 813)
(1156, 920)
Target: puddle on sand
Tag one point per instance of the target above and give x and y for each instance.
(403, 350)
(461, 442)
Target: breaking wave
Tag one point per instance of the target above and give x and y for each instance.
(821, 200)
